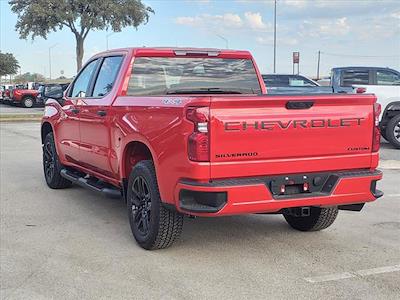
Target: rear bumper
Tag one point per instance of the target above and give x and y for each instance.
(253, 195)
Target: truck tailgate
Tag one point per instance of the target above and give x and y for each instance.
(264, 135)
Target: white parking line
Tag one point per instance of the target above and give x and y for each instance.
(378, 270)
(389, 164)
(393, 195)
(359, 273)
(330, 277)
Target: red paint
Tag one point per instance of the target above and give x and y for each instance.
(98, 145)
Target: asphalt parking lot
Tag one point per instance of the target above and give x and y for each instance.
(10, 109)
(75, 244)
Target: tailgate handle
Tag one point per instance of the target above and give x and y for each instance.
(299, 104)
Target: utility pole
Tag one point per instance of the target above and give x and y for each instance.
(275, 38)
(319, 59)
(51, 47)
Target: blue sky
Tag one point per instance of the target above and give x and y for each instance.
(347, 32)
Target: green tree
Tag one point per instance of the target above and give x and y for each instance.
(39, 17)
(29, 77)
(8, 64)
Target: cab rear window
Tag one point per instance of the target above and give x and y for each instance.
(152, 76)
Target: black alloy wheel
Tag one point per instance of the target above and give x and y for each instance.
(141, 206)
(48, 160)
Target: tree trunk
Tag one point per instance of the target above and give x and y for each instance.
(79, 51)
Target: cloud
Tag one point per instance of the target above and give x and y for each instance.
(324, 28)
(228, 21)
(205, 20)
(254, 20)
(295, 3)
(269, 41)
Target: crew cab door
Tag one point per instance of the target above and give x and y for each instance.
(68, 136)
(96, 116)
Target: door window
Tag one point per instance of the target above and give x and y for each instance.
(81, 84)
(387, 78)
(108, 72)
(355, 77)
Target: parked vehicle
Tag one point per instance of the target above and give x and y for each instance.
(344, 78)
(293, 84)
(385, 85)
(54, 91)
(24, 97)
(5, 92)
(190, 132)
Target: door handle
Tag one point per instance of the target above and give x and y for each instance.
(101, 113)
(75, 110)
(299, 104)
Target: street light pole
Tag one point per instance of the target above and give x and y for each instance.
(319, 59)
(225, 39)
(107, 36)
(51, 47)
(275, 37)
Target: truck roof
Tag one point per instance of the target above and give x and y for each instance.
(362, 68)
(171, 51)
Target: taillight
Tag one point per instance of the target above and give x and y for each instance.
(198, 141)
(376, 137)
(361, 90)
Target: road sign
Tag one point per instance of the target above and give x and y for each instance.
(296, 57)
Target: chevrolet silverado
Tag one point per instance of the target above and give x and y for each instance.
(192, 132)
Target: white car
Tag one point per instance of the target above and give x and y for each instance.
(386, 87)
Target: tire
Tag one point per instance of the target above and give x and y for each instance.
(320, 218)
(383, 133)
(153, 226)
(52, 166)
(28, 102)
(392, 133)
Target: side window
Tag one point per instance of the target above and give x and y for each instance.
(387, 78)
(81, 84)
(108, 72)
(355, 77)
(300, 81)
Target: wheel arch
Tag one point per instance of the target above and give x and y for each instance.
(391, 110)
(134, 151)
(45, 129)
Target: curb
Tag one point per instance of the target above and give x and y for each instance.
(20, 117)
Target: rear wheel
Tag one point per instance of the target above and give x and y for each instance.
(152, 225)
(52, 166)
(319, 218)
(28, 102)
(392, 134)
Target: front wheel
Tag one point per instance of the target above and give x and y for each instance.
(52, 166)
(319, 218)
(152, 225)
(392, 134)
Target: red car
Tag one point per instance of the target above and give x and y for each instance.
(24, 97)
(191, 132)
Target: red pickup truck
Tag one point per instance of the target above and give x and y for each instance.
(24, 97)
(191, 132)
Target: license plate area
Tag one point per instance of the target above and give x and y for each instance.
(301, 185)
